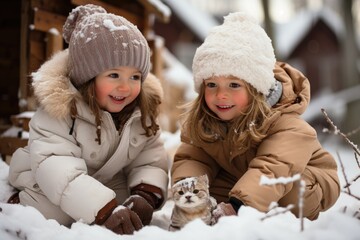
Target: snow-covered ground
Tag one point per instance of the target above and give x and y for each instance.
(340, 222)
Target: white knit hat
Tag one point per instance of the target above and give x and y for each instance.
(239, 47)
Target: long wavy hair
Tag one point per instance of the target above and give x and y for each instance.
(148, 105)
(245, 131)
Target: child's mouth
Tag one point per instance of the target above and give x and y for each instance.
(224, 107)
(117, 99)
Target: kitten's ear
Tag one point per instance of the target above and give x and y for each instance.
(204, 178)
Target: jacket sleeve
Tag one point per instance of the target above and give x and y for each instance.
(150, 165)
(60, 171)
(20, 175)
(284, 153)
(190, 160)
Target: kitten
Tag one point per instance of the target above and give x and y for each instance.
(192, 200)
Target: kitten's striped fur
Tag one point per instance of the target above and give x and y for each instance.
(192, 200)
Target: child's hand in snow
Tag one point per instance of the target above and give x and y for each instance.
(123, 221)
(221, 210)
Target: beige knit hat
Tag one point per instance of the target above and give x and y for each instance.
(99, 41)
(239, 47)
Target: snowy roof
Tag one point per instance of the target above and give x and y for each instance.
(198, 21)
(290, 34)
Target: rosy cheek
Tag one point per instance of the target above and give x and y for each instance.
(207, 97)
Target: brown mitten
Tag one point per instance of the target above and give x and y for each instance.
(14, 199)
(123, 221)
(221, 210)
(141, 207)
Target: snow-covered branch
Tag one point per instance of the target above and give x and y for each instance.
(338, 132)
(285, 180)
(356, 154)
(281, 180)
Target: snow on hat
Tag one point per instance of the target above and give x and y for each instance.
(239, 47)
(99, 41)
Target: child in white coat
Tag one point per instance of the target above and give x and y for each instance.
(94, 141)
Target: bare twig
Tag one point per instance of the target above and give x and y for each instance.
(352, 181)
(356, 154)
(357, 160)
(353, 132)
(357, 213)
(301, 203)
(345, 208)
(337, 131)
(284, 180)
(287, 209)
(352, 195)
(343, 172)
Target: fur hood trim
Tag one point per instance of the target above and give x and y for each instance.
(54, 91)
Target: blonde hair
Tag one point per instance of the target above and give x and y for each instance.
(149, 108)
(245, 131)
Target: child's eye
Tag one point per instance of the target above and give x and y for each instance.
(234, 85)
(113, 75)
(210, 85)
(136, 77)
(181, 192)
(196, 191)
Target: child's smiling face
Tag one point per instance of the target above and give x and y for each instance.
(227, 97)
(116, 88)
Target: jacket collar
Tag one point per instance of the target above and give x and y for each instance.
(296, 88)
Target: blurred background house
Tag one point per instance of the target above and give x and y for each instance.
(320, 37)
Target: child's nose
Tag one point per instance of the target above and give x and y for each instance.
(221, 93)
(123, 86)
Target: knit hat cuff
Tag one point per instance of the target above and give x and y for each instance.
(239, 48)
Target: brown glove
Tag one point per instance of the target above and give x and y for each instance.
(221, 210)
(123, 221)
(143, 200)
(14, 199)
(141, 207)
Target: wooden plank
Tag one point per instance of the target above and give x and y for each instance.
(23, 84)
(156, 46)
(22, 122)
(54, 44)
(58, 7)
(8, 145)
(152, 8)
(44, 21)
(136, 20)
(36, 56)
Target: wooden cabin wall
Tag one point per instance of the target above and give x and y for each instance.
(9, 61)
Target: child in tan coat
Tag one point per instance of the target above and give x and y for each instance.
(246, 123)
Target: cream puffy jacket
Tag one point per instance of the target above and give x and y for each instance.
(72, 170)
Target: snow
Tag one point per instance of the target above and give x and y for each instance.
(200, 22)
(111, 26)
(289, 34)
(336, 109)
(178, 75)
(339, 222)
(54, 31)
(281, 180)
